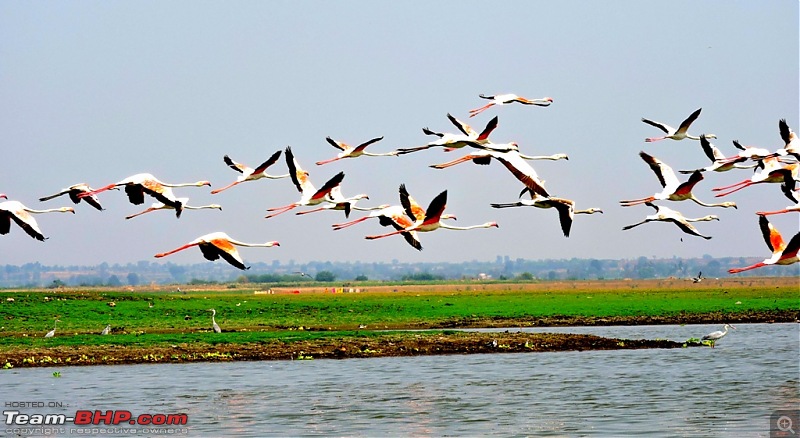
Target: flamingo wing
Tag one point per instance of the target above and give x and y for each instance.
(463, 127)
(336, 144)
(488, 129)
(435, 209)
(412, 209)
(239, 167)
(270, 161)
(666, 128)
(328, 186)
(364, 145)
(771, 235)
(686, 187)
(298, 175)
(666, 176)
(689, 120)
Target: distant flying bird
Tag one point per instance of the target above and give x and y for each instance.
(699, 277)
(565, 207)
(19, 213)
(782, 253)
(512, 160)
(665, 214)
(218, 244)
(214, 324)
(250, 174)
(716, 336)
(137, 185)
(348, 151)
(773, 172)
(337, 201)
(676, 134)
(432, 219)
(449, 142)
(674, 190)
(74, 191)
(52, 333)
(502, 99)
(309, 195)
(394, 216)
(106, 330)
(719, 162)
(184, 203)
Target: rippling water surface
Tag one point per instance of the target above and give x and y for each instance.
(728, 391)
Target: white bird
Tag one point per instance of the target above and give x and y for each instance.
(309, 195)
(717, 335)
(214, 322)
(106, 330)
(348, 151)
(699, 277)
(565, 207)
(52, 333)
(250, 174)
(674, 190)
(773, 171)
(782, 253)
(676, 134)
(19, 213)
(791, 141)
(137, 185)
(218, 244)
(503, 99)
(74, 191)
(161, 206)
(449, 142)
(719, 162)
(665, 214)
(337, 201)
(432, 219)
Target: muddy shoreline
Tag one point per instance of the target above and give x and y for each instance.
(389, 344)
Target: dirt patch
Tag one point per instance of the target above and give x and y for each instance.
(387, 345)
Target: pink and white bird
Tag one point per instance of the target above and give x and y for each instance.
(674, 190)
(137, 185)
(250, 174)
(336, 201)
(503, 99)
(564, 207)
(782, 253)
(389, 215)
(348, 151)
(450, 142)
(432, 220)
(773, 171)
(665, 214)
(218, 244)
(184, 202)
(676, 134)
(309, 195)
(719, 162)
(19, 213)
(74, 192)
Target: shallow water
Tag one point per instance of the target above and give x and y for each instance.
(730, 390)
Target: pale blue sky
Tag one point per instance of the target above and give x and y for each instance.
(98, 91)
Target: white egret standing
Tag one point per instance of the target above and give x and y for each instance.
(214, 322)
(52, 333)
(717, 335)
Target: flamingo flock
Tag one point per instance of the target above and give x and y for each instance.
(409, 219)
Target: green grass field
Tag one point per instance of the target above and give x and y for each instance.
(247, 317)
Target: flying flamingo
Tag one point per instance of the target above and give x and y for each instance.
(773, 172)
(161, 206)
(337, 201)
(719, 163)
(512, 160)
(790, 139)
(564, 207)
(74, 191)
(216, 245)
(789, 192)
(250, 174)
(389, 215)
(665, 214)
(137, 185)
(310, 196)
(676, 134)
(19, 213)
(502, 99)
(674, 190)
(748, 153)
(782, 253)
(455, 141)
(348, 151)
(432, 219)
